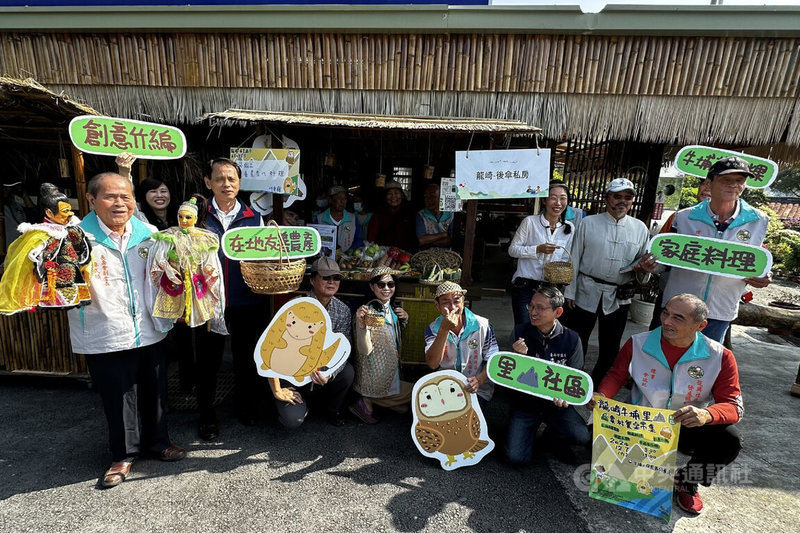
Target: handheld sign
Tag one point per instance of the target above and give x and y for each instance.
(634, 449)
(112, 136)
(695, 160)
(448, 422)
(298, 341)
(541, 378)
(263, 242)
(711, 256)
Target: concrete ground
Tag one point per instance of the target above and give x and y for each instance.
(368, 478)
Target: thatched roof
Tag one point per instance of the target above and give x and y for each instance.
(30, 112)
(380, 122)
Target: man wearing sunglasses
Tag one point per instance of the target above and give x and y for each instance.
(329, 392)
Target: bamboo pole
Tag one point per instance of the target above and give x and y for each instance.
(80, 181)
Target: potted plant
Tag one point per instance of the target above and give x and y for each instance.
(643, 304)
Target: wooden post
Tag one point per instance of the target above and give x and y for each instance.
(80, 181)
(142, 169)
(469, 242)
(649, 191)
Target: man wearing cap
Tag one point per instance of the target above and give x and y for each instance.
(603, 245)
(348, 233)
(460, 340)
(723, 216)
(329, 391)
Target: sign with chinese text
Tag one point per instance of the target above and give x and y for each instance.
(448, 196)
(299, 341)
(633, 456)
(327, 238)
(712, 256)
(486, 174)
(448, 422)
(259, 243)
(696, 160)
(112, 136)
(540, 378)
(269, 170)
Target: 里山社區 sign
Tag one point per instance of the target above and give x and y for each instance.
(711, 256)
(259, 243)
(112, 136)
(487, 174)
(540, 378)
(696, 160)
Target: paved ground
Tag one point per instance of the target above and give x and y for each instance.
(366, 478)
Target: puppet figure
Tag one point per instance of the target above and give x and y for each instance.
(186, 272)
(49, 265)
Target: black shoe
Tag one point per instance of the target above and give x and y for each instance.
(208, 431)
(336, 419)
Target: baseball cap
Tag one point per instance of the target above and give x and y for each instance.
(729, 165)
(336, 189)
(325, 266)
(620, 184)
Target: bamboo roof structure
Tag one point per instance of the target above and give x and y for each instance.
(380, 122)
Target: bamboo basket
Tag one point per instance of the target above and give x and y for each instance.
(374, 318)
(274, 277)
(559, 272)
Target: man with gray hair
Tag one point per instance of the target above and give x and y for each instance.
(116, 331)
(676, 367)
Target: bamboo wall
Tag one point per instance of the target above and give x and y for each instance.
(569, 64)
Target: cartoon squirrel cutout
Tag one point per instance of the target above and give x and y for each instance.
(298, 341)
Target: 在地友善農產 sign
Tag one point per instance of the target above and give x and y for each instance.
(487, 174)
(696, 160)
(711, 256)
(634, 448)
(264, 242)
(540, 378)
(112, 136)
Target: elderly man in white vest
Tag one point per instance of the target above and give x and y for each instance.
(723, 216)
(116, 331)
(676, 367)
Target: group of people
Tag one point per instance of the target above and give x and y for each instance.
(122, 336)
(687, 367)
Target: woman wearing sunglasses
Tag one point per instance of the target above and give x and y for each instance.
(378, 325)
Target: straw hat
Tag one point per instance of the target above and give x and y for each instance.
(379, 272)
(447, 287)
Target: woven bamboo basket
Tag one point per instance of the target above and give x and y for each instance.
(559, 272)
(274, 277)
(374, 318)
(435, 277)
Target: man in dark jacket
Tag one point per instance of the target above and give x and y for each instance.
(545, 338)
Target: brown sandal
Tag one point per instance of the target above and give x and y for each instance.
(116, 474)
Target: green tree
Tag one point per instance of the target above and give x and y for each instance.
(788, 181)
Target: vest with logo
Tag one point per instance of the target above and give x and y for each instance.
(691, 380)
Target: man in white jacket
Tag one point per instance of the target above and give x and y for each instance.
(116, 331)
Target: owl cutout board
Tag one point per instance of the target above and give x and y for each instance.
(448, 422)
(298, 341)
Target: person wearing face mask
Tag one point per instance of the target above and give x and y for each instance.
(539, 239)
(394, 224)
(378, 327)
(348, 232)
(604, 244)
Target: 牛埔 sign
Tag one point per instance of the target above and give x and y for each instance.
(259, 243)
(696, 160)
(111, 136)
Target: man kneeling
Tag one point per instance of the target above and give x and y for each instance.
(693, 374)
(545, 338)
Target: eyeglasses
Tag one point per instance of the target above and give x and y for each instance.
(539, 309)
(335, 277)
(384, 284)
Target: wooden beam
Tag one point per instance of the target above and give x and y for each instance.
(469, 242)
(80, 181)
(142, 169)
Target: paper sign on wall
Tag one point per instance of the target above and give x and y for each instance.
(112, 136)
(263, 242)
(541, 378)
(633, 456)
(269, 170)
(486, 174)
(696, 160)
(712, 256)
(327, 236)
(448, 196)
(298, 341)
(448, 422)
